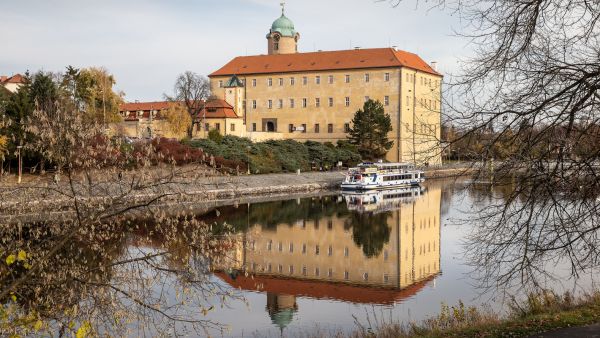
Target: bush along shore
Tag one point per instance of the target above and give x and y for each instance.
(539, 312)
(278, 156)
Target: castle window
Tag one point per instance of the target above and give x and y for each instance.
(386, 100)
(304, 80)
(331, 101)
(291, 269)
(253, 126)
(220, 83)
(304, 270)
(291, 103)
(366, 276)
(386, 76)
(304, 102)
(269, 245)
(280, 246)
(304, 128)
(317, 272)
(330, 128)
(330, 79)
(346, 127)
(232, 127)
(280, 103)
(269, 82)
(346, 252)
(253, 104)
(304, 248)
(330, 251)
(292, 81)
(291, 247)
(316, 250)
(346, 275)
(317, 102)
(330, 272)
(270, 104)
(269, 267)
(253, 82)
(347, 78)
(281, 81)
(217, 126)
(318, 79)
(291, 128)
(367, 77)
(347, 101)
(386, 278)
(317, 128)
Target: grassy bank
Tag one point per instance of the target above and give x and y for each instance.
(540, 312)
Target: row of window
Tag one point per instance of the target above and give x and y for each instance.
(317, 272)
(411, 78)
(423, 102)
(317, 128)
(317, 102)
(216, 125)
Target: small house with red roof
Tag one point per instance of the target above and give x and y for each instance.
(12, 83)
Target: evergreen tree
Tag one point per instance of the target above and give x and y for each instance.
(370, 127)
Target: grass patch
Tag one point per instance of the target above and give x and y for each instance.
(540, 312)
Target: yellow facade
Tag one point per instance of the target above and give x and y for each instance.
(325, 103)
(325, 250)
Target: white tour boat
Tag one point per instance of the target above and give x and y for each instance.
(369, 176)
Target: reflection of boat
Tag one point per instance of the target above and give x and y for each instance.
(381, 200)
(369, 176)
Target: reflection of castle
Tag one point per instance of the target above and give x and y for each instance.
(363, 257)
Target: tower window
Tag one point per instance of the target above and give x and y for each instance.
(347, 78)
(270, 82)
(386, 76)
(276, 46)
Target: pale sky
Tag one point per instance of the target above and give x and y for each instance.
(145, 44)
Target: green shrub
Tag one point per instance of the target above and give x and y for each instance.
(215, 136)
(277, 156)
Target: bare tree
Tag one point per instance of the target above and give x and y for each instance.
(531, 89)
(191, 89)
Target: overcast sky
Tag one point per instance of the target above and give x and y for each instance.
(147, 43)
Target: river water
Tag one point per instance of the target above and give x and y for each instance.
(324, 263)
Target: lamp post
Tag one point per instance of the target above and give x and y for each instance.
(248, 158)
(20, 164)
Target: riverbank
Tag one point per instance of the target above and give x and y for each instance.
(39, 193)
(541, 315)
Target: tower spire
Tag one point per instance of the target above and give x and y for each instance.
(282, 7)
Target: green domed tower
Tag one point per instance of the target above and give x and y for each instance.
(282, 37)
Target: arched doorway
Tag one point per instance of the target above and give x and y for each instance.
(270, 127)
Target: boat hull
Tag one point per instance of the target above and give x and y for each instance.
(364, 187)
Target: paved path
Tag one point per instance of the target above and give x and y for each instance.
(589, 331)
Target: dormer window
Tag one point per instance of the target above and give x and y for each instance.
(276, 46)
(140, 113)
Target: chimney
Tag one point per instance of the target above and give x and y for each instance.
(356, 48)
(434, 65)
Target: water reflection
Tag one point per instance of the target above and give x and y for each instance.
(373, 248)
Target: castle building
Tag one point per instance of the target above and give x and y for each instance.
(314, 96)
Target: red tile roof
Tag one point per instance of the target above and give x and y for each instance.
(324, 289)
(216, 109)
(321, 61)
(17, 78)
